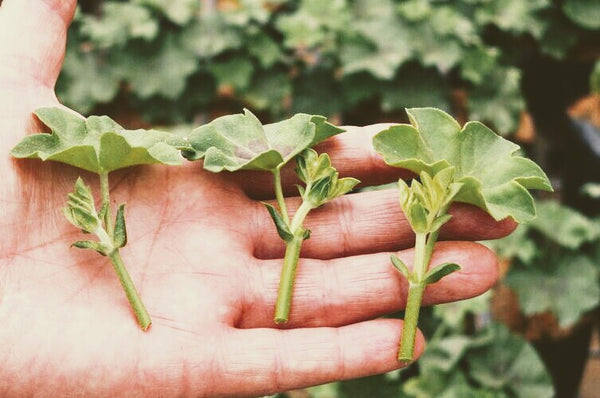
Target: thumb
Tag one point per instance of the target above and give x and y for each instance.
(32, 40)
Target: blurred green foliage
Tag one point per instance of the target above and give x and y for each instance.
(555, 263)
(187, 60)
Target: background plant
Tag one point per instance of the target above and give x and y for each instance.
(333, 58)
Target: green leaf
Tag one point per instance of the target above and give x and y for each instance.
(322, 181)
(160, 68)
(119, 23)
(565, 284)
(310, 166)
(494, 177)
(415, 86)
(439, 271)
(417, 216)
(454, 314)
(81, 210)
(507, 362)
(100, 247)
(209, 36)
(595, 78)
(283, 230)
(440, 221)
(313, 23)
(382, 43)
(178, 11)
(241, 142)
(499, 101)
(400, 266)
(514, 16)
(120, 232)
(564, 225)
(97, 143)
(583, 12)
(85, 79)
(235, 72)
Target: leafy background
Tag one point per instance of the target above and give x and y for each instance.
(526, 68)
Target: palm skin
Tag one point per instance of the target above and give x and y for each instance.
(205, 258)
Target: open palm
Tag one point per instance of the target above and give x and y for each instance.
(206, 259)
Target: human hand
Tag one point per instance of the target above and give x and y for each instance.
(205, 258)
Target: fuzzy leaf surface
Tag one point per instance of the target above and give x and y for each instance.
(97, 144)
(241, 142)
(494, 177)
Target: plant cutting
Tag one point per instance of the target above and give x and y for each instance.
(99, 145)
(241, 142)
(471, 164)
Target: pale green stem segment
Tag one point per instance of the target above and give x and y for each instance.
(115, 257)
(290, 262)
(105, 192)
(423, 250)
(130, 291)
(279, 195)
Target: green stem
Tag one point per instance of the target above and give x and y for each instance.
(279, 195)
(411, 319)
(130, 291)
(115, 257)
(286, 282)
(290, 263)
(423, 250)
(105, 192)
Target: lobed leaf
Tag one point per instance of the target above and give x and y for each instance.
(241, 142)
(492, 175)
(97, 144)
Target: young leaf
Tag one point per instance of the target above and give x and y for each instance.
(438, 222)
(282, 228)
(322, 181)
(97, 144)
(494, 177)
(400, 266)
(93, 245)
(439, 271)
(81, 210)
(241, 142)
(120, 233)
